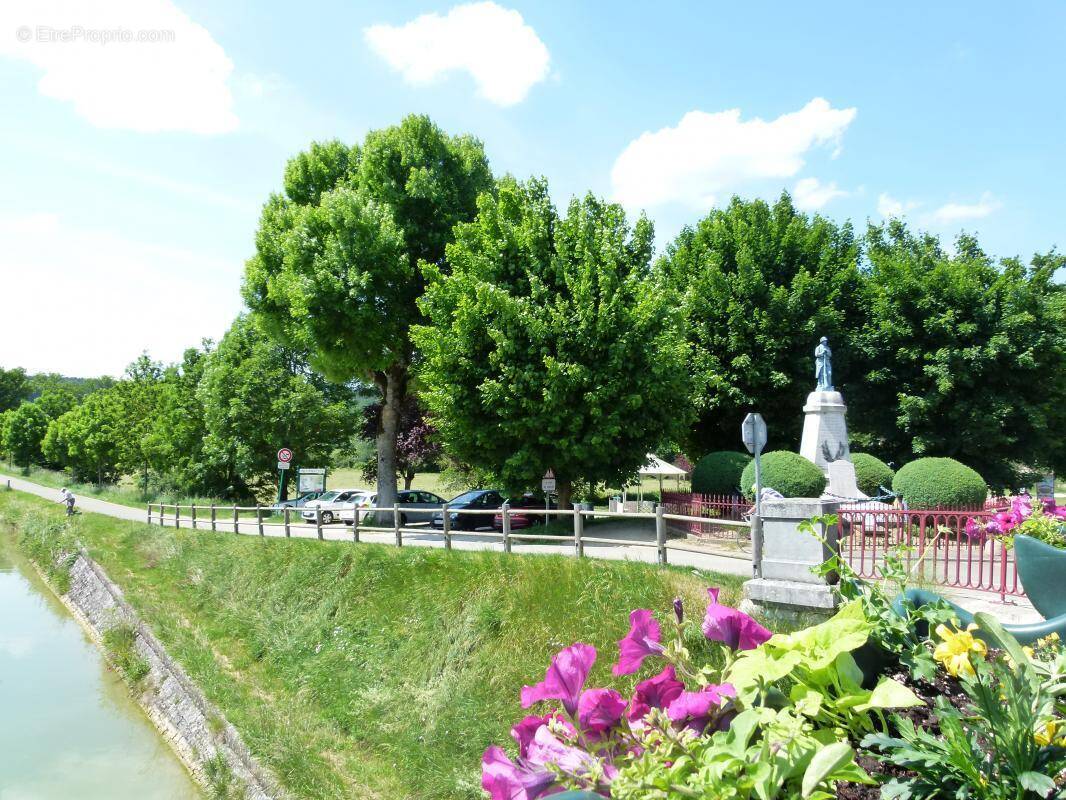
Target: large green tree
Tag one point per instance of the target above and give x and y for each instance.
(24, 431)
(759, 284)
(88, 439)
(963, 357)
(14, 388)
(257, 396)
(336, 270)
(549, 345)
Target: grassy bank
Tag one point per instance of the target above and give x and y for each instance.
(366, 671)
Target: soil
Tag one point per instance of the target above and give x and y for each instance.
(923, 716)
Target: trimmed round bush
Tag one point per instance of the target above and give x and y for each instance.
(871, 473)
(939, 483)
(719, 472)
(789, 473)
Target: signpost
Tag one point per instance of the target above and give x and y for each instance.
(311, 480)
(284, 462)
(547, 485)
(753, 432)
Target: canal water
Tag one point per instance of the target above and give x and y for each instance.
(68, 728)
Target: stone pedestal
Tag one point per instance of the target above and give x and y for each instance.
(786, 582)
(825, 430)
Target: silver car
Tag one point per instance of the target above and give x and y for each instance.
(412, 500)
(331, 505)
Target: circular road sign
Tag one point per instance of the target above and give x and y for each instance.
(285, 455)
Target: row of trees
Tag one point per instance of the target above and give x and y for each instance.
(209, 425)
(535, 339)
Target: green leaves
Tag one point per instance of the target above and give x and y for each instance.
(827, 762)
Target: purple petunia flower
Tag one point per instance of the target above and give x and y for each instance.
(505, 780)
(733, 628)
(694, 710)
(599, 710)
(564, 679)
(657, 692)
(547, 749)
(679, 610)
(641, 641)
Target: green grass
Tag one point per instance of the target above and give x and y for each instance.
(363, 670)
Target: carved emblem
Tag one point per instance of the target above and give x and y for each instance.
(829, 456)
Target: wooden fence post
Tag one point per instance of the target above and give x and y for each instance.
(288, 532)
(318, 521)
(149, 510)
(177, 516)
(162, 521)
(214, 518)
(194, 516)
(259, 518)
(355, 526)
(579, 529)
(447, 522)
(396, 524)
(236, 529)
(660, 533)
(507, 527)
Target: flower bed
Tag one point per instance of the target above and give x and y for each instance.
(867, 704)
(1041, 520)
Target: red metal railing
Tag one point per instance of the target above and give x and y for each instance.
(711, 506)
(940, 551)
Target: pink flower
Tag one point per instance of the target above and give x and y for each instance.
(505, 780)
(525, 730)
(657, 692)
(641, 641)
(547, 749)
(599, 710)
(1006, 521)
(733, 628)
(694, 710)
(564, 679)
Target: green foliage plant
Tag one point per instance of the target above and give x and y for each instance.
(789, 473)
(719, 472)
(24, 431)
(997, 749)
(939, 483)
(120, 642)
(872, 475)
(823, 681)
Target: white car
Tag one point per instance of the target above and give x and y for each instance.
(420, 506)
(331, 504)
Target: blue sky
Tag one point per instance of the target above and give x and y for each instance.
(134, 171)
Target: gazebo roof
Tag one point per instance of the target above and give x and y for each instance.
(656, 466)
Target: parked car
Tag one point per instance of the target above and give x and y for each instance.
(520, 520)
(409, 498)
(299, 502)
(477, 499)
(331, 504)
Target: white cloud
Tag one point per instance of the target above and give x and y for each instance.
(91, 300)
(810, 194)
(501, 52)
(888, 206)
(957, 212)
(706, 155)
(138, 65)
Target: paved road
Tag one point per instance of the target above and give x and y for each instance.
(625, 547)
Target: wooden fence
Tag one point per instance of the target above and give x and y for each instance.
(270, 521)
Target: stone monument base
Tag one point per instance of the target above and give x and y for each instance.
(787, 599)
(825, 430)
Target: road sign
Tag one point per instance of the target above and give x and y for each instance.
(283, 465)
(284, 454)
(547, 483)
(753, 431)
(312, 480)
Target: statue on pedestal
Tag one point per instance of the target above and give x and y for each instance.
(823, 366)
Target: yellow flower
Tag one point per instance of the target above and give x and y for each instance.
(1029, 652)
(954, 651)
(1046, 734)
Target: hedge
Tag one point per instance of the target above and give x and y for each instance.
(939, 483)
(789, 473)
(719, 472)
(871, 473)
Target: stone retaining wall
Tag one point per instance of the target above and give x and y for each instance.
(194, 728)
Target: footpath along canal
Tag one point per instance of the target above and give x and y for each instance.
(68, 727)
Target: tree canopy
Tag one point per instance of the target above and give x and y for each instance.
(961, 357)
(549, 345)
(14, 388)
(336, 270)
(758, 284)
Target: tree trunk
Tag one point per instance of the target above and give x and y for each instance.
(393, 385)
(565, 491)
(408, 477)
